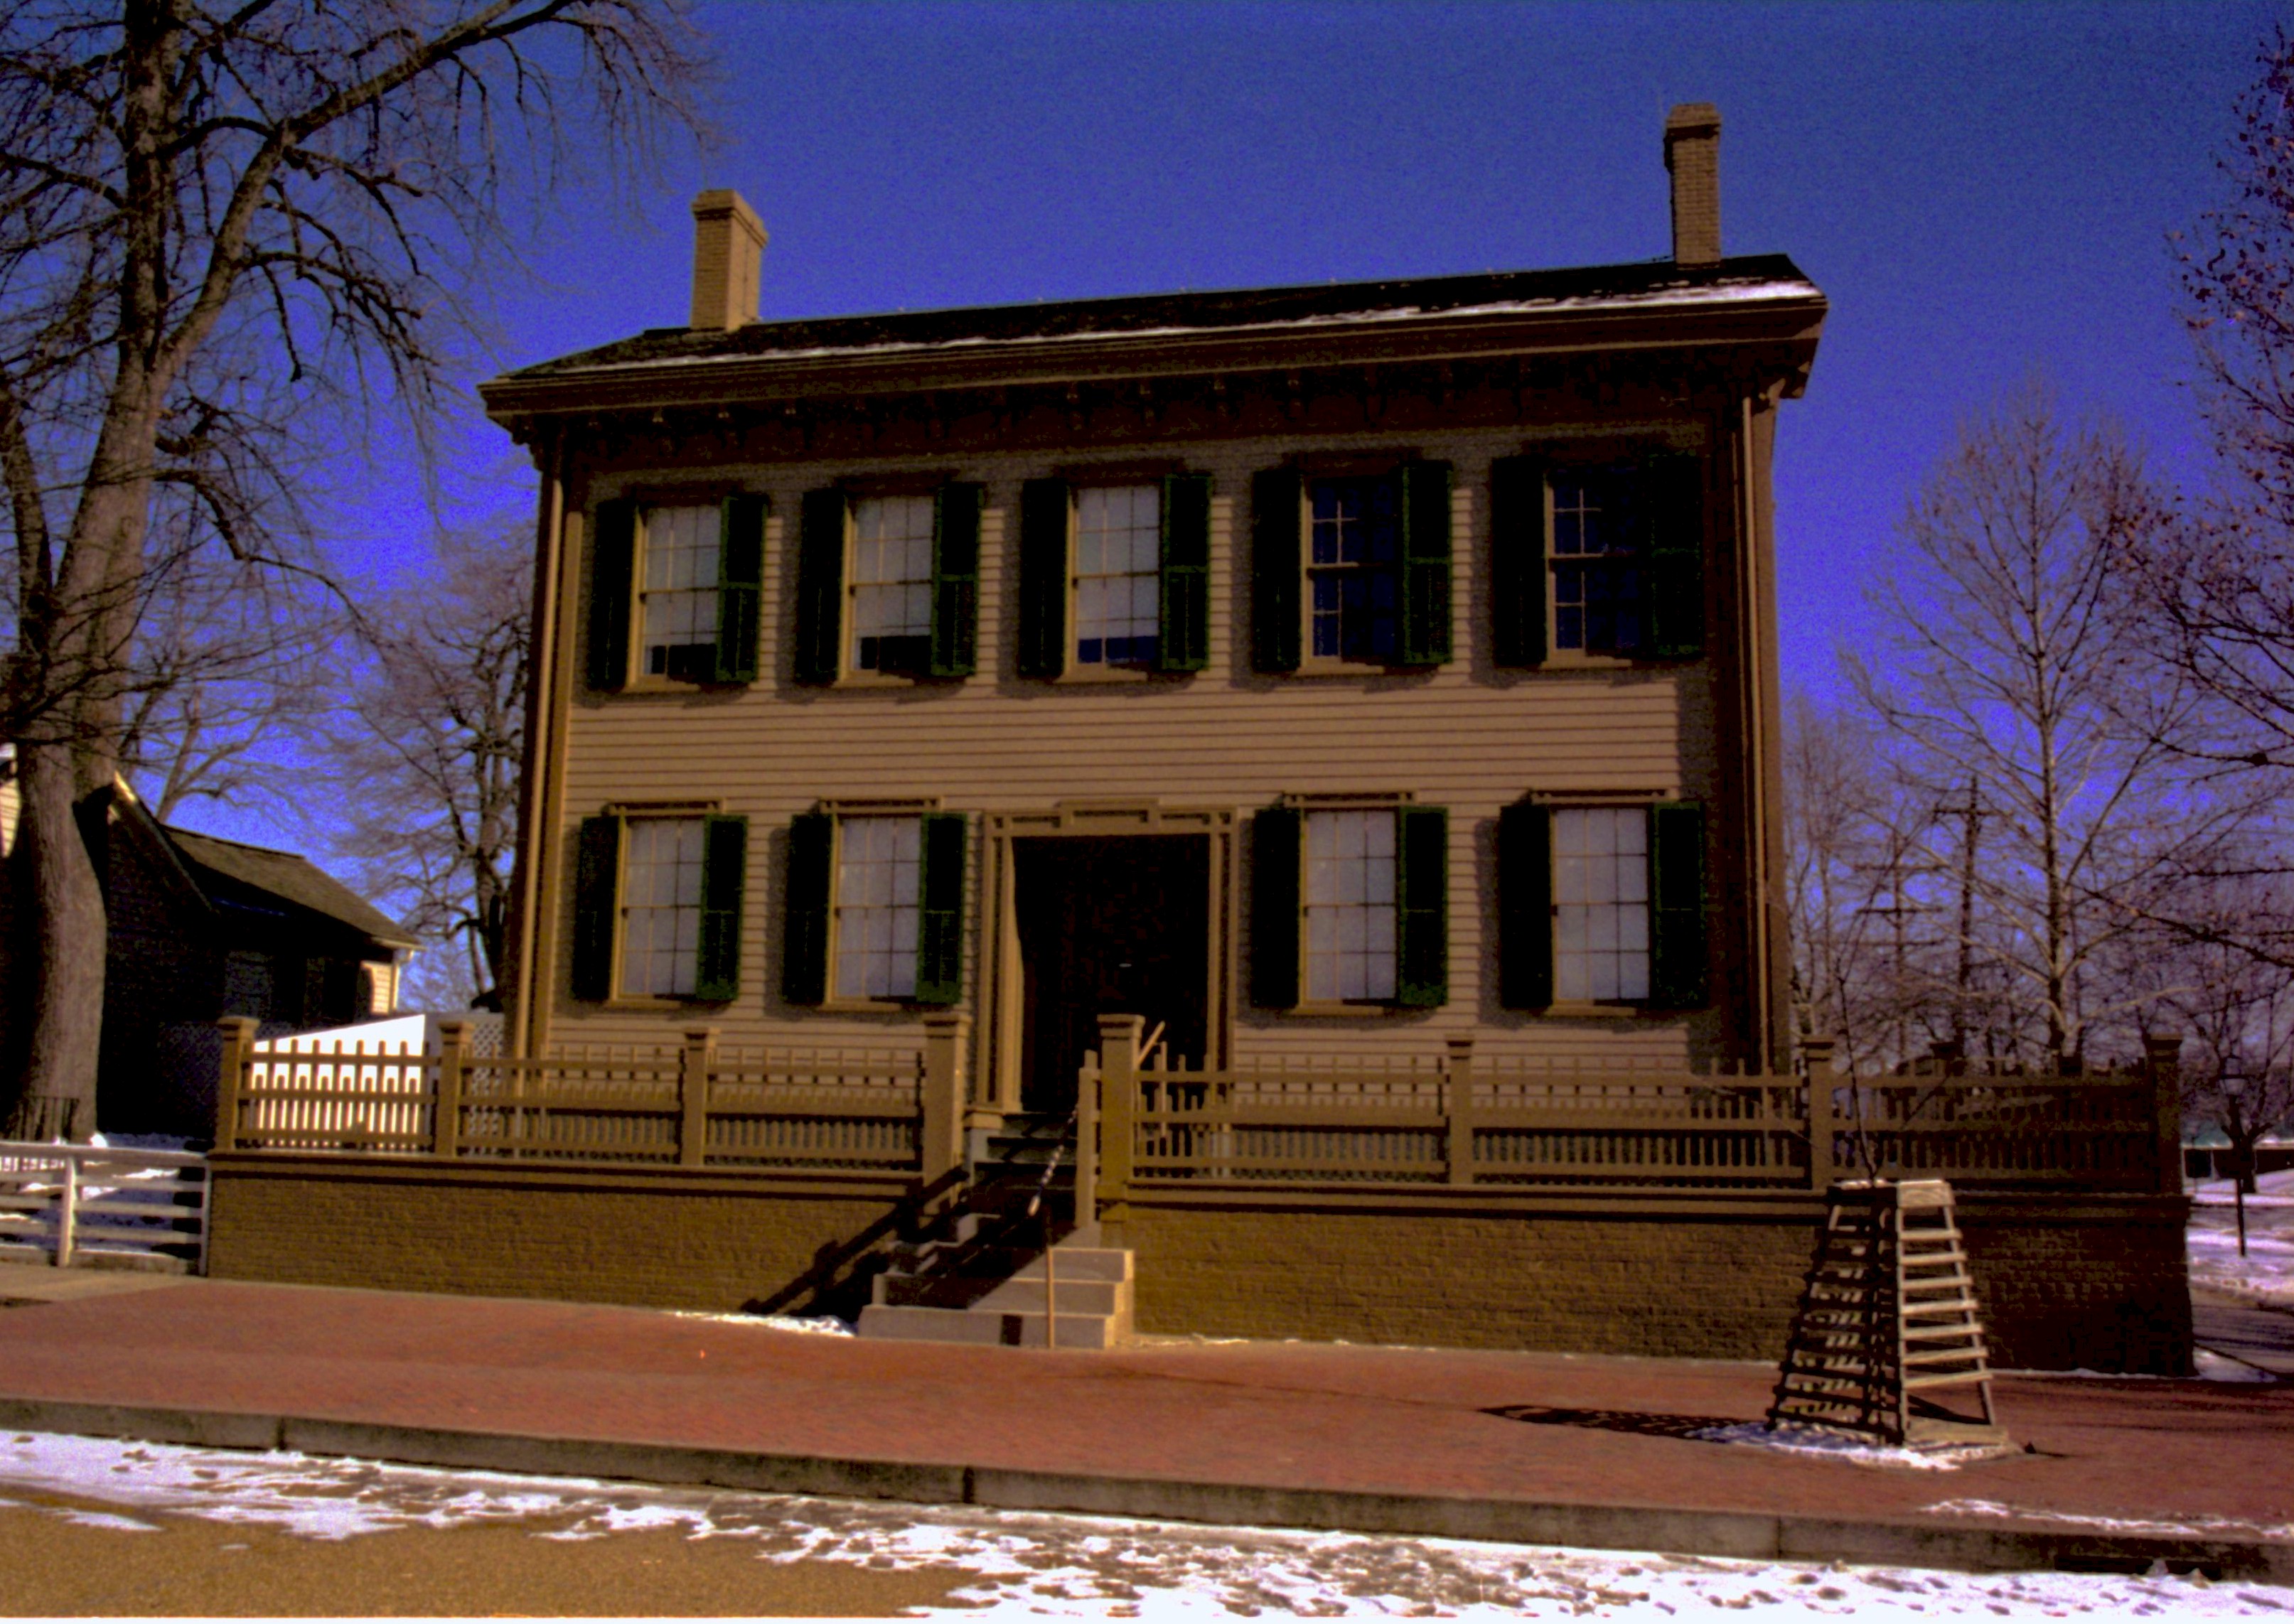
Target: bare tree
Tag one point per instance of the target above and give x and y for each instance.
(2015, 699)
(433, 740)
(221, 225)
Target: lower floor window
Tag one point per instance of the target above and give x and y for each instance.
(878, 872)
(661, 907)
(1600, 904)
(1350, 907)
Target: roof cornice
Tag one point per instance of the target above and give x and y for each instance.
(1789, 316)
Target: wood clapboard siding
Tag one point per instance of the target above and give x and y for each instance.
(1469, 737)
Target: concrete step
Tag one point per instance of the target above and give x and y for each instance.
(991, 1327)
(1027, 1296)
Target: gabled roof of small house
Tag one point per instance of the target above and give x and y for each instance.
(1650, 285)
(287, 876)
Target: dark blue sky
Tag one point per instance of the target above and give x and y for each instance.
(1981, 190)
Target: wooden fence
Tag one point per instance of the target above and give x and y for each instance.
(693, 1106)
(70, 1202)
(1447, 1121)
(1459, 1124)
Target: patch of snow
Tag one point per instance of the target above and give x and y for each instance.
(2192, 1527)
(1819, 1443)
(2214, 1367)
(1034, 1566)
(808, 1325)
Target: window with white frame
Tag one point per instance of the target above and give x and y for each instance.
(1597, 589)
(1350, 907)
(1354, 578)
(879, 871)
(1600, 904)
(677, 603)
(661, 907)
(891, 583)
(1117, 573)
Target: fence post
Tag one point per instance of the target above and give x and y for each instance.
(2162, 1058)
(1458, 1108)
(447, 1120)
(947, 1034)
(1118, 1083)
(1816, 1054)
(238, 1044)
(1086, 1152)
(68, 1213)
(695, 1062)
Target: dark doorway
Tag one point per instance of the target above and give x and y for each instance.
(1108, 926)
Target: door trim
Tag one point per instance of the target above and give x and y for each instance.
(996, 1037)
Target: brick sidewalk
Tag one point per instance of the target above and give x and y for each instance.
(1503, 1429)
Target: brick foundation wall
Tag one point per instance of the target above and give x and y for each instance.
(653, 1238)
(2064, 1283)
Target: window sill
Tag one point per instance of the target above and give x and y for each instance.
(669, 685)
(627, 1003)
(1591, 1010)
(874, 679)
(1367, 1009)
(1090, 676)
(1323, 667)
(875, 1006)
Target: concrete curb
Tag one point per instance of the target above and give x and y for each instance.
(1759, 1536)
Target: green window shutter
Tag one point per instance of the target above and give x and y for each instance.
(1044, 510)
(740, 586)
(1421, 897)
(940, 912)
(1182, 631)
(1424, 562)
(613, 554)
(820, 587)
(1274, 840)
(1275, 494)
(1677, 950)
(724, 873)
(597, 882)
(1519, 570)
(804, 934)
(1672, 511)
(956, 580)
(1525, 907)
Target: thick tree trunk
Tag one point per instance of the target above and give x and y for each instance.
(62, 926)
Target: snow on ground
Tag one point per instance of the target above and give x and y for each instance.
(2266, 1274)
(1040, 1566)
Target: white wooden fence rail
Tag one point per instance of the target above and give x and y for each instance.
(76, 1203)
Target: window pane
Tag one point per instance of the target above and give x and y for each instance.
(1596, 579)
(1350, 906)
(1353, 591)
(1600, 894)
(878, 876)
(891, 582)
(678, 601)
(1118, 547)
(661, 908)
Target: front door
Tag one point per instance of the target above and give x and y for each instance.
(1108, 925)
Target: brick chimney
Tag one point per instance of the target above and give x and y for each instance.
(1692, 153)
(728, 251)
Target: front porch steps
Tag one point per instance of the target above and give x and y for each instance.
(981, 1277)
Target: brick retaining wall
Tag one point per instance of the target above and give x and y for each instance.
(2065, 1282)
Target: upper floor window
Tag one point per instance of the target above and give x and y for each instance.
(1596, 562)
(1117, 575)
(686, 579)
(1596, 554)
(1352, 569)
(677, 603)
(891, 583)
(888, 584)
